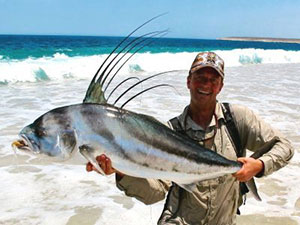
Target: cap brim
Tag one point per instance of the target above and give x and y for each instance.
(196, 68)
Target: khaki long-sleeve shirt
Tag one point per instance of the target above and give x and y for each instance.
(216, 200)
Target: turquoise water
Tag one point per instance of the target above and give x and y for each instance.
(31, 58)
(24, 46)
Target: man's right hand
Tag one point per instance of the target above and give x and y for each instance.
(105, 164)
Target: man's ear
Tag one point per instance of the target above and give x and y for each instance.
(221, 86)
(188, 81)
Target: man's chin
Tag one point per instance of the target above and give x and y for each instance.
(204, 96)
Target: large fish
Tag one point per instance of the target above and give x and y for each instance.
(137, 144)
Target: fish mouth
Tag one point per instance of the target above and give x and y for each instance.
(25, 144)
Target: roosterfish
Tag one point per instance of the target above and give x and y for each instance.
(137, 144)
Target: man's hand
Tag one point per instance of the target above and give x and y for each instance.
(105, 164)
(250, 168)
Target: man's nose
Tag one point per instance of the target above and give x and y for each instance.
(205, 81)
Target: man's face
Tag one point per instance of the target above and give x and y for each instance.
(204, 84)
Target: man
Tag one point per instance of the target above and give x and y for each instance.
(216, 200)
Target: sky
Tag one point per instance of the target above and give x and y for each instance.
(203, 19)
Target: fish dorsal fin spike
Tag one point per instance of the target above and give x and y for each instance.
(147, 78)
(156, 86)
(136, 29)
(95, 93)
(134, 43)
(122, 82)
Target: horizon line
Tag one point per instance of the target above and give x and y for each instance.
(95, 35)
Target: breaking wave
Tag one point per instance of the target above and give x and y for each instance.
(61, 66)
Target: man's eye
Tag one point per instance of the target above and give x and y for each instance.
(199, 78)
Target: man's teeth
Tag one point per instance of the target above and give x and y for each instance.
(203, 92)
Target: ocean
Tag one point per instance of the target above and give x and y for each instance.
(39, 73)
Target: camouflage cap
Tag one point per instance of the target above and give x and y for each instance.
(208, 59)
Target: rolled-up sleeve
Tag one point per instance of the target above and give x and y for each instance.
(254, 133)
(148, 191)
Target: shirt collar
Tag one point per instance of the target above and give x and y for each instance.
(190, 124)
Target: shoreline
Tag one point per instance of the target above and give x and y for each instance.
(281, 40)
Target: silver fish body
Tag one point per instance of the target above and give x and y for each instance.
(137, 144)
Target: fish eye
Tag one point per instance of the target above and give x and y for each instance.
(40, 132)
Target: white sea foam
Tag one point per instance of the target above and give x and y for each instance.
(60, 66)
(36, 192)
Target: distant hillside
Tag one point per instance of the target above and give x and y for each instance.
(263, 39)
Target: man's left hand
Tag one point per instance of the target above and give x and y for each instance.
(250, 168)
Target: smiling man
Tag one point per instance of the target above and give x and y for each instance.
(205, 82)
(205, 120)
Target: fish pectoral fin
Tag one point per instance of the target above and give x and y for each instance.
(192, 187)
(66, 140)
(86, 152)
(253, 189)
